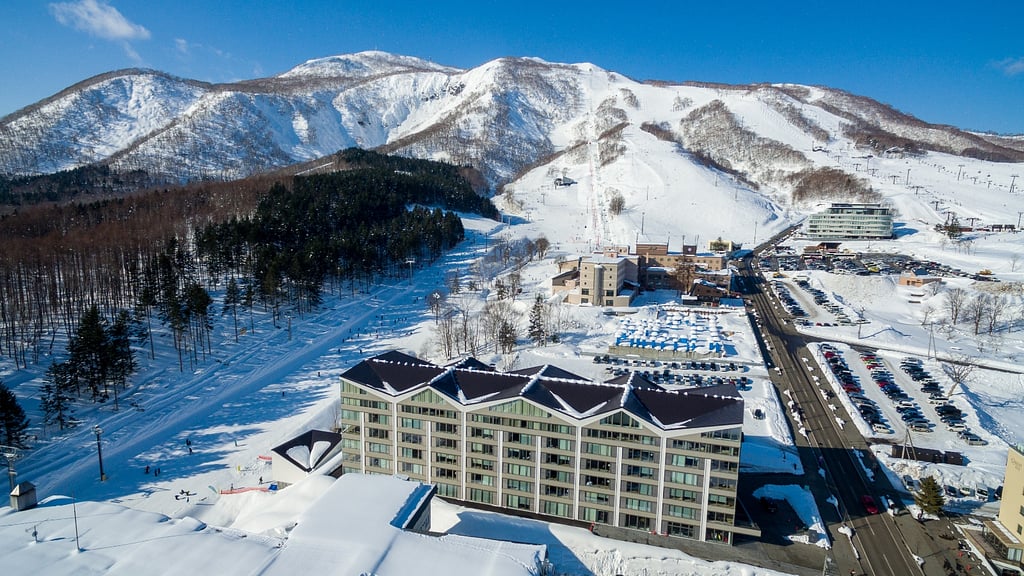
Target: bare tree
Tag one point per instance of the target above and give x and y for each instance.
(975, 310)
(955, 300)
(926, 314)
(435, 302)
(500, 319)
(514, 283)
(543, 245)
(997, 306)
(959, 371)
(616, 204)
(453, 281)
(1014, 260)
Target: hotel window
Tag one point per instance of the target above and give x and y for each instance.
(481, 479)
(557, 509)
(640, 471)
(637, 504)
(519, 454)
(446, 443)
(518, 502)
(638, 522)
(411, 468)
(446, 428)
(519, 470)
(478, 495)
(414, 453)
(408, 438)
(520, 438)
(378, 419)
(378, 448)
(640, 488)
(686, 461)
(558, 444)
(677, 529)
(478, 448)
(642, 455)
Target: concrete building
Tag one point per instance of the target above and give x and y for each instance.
(851, 221)
(1002, 539)
(624, 453)
(614, 277)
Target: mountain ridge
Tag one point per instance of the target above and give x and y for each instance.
(502, 117)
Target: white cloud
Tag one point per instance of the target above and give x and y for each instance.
(181, 45)
(99, 19)
(1011, 66)
(132, 54)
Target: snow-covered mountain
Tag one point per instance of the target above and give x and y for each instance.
(501, 117)
(521, 122)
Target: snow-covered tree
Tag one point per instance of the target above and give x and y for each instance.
(538, 330)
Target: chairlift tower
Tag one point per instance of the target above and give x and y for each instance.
(10, 454)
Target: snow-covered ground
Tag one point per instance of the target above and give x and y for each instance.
(279, 381)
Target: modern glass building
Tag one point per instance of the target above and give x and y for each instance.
(624, 453)
(851, 222)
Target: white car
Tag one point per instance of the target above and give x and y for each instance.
(957, 427)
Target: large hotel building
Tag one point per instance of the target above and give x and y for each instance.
(851, 221)
(624, 453)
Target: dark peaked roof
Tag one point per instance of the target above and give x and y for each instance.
(469, 386)
(549, 371)
(695, 408)
(308, 450)
(576, 398)
(472, 364)
(393, 372)
(554, 388)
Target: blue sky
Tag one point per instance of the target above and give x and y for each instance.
(944, 62)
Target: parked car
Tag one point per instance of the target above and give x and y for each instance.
(972, 439)
(881, 428)
(919, 427)
(869, 504)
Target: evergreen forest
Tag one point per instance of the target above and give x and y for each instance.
(277, 243)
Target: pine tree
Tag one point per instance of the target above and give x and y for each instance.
(930, 498)
(232, 298)
(12, 419)
(56, 399)
(507, 336)
(538, 326)
(88, 352)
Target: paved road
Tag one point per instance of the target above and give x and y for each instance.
(881, 544)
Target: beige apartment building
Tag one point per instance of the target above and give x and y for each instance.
(1002, 539)
(624, 453)
(613, 277)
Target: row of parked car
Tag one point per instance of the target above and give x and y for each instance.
(668, 365)
(866, 407)
(948, 413)
(787, 299)
(822, 299)
(907, 408)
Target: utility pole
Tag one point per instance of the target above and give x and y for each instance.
(11, 453)
(99, 450)
(1013, 179)
(894, 177)
(908, 177)
(959, 171)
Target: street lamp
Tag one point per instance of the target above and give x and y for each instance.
(99, 450)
